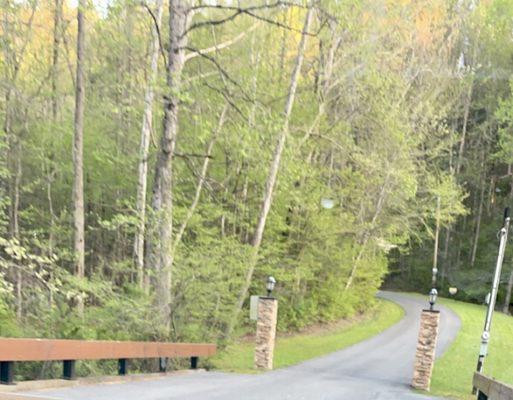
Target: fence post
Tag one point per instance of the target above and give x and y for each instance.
(122, 366)
(68, 369)
(7, 372)
(162, 364)
(481, 396)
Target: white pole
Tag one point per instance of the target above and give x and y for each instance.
(485, 337)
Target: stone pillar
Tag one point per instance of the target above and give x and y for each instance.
(425, 355)
(266, 332)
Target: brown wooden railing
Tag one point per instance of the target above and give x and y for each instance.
(490, 389)
(68, 351)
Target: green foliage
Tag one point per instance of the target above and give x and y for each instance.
(377, 126)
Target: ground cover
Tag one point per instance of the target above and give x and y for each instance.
(314, 342)
(452, 375)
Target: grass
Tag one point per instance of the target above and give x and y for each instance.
(452, 375)
(293, 349)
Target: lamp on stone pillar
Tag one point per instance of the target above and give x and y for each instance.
(267, 316)
(271, 282)
(433, 295)
(426, 344)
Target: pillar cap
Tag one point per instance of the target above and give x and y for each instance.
(431, 311)
(267, 298)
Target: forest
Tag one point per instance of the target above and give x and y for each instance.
(158, 160)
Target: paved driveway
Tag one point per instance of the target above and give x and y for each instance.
(378, 368)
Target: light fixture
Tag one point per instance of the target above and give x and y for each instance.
(453, 291)
(270, 285)
(328, 204)
(433, 294)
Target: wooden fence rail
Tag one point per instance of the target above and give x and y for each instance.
(68, 351)
(490, 389)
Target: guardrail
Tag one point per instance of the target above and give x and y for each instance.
(490, 389)
(68, 351)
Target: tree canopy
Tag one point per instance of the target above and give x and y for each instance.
(211, 132)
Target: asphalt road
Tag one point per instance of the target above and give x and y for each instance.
(378, 368)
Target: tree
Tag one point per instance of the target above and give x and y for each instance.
(146, 128)
(273, 171)
(78, 161)
(160, 256)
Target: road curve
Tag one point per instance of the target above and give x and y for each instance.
(377, 368)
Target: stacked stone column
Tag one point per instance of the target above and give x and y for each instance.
(425, 354)
(266, 332)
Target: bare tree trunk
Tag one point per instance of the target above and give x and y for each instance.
(366, 235)
(78, 167)
(144, 148)
(201, 182)
(466, 112)
(55, 56)
(162, 202)
(57, 33)
(271, 177)
(507, 300)
(509, 289)
(491, 192)
(437, 235)
(15, 190)
(479, 215)
(51, 228)
(14, 222)
(478, 227)
(445, 255)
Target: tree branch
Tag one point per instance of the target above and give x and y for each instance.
(157, 29)
(260, 7)
(221, 70)
(219, 46)
(247, 11)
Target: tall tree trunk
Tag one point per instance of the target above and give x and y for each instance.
(445, 254)
(14, 228)
(507, 300)
(14, 225)
(272, 175)
(55, 56)
(366, 235)
(478, 227)
(466, 112)
(162, 202)
(509, 289)
(143, 149)
(201, 182)
(479, 214)
(437, 235)
(78, 167)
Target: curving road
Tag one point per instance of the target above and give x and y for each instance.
(378, 368)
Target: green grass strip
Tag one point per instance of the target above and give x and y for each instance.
(293, 349)
(452, 375)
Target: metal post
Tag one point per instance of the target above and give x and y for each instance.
(68, 369)
(435, 252)
(7, 372)
(481, 396)
(162, 364)
(122, 366)
(194, 362)
(485, 337)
